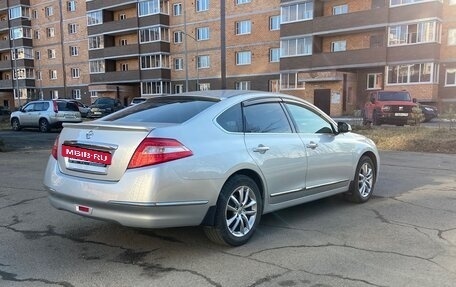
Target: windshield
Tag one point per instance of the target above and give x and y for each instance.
(394, 96)
(163, 110)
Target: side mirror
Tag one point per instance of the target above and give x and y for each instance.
(343, 127)
(414, 100)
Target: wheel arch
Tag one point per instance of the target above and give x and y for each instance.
(374, 159)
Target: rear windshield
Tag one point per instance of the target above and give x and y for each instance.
(163, 110)
(394, 96)
(104, 101)
(67, 107)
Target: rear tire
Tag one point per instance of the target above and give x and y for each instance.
(44, 126)
(239, 209)
(363, 181)
(15, 124)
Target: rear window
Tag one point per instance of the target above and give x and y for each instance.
(67, 107)
(163, 110)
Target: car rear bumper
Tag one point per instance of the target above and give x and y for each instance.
(140, 215)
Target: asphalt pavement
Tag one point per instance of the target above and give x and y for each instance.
(404, 236)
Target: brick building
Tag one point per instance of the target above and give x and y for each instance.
(330, 52)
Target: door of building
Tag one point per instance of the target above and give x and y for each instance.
(322, 99)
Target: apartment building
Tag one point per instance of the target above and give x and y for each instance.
(335, 52)
(330, 52)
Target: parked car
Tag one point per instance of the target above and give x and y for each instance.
(45, 115)
(429, 112)
(104, 106)
(389, 107)
(220, 159)
(137, 100)
(83, 109)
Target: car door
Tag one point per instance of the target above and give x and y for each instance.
(27, 115)
(276, 149)
(329, 156)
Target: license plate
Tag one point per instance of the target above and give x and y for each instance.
(97, 113)
(401, 114)
(88, 155)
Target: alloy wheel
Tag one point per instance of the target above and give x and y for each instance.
(241, 211)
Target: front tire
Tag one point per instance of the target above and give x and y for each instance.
(239, 209)
(15, 124)
(363, 181)
(44, 126)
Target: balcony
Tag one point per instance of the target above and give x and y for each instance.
(338, 60)
(157, 74)
(155, 19)
(154, 46)
(5, 65)
(416, 11)
(116, 52)
(5, 45)
(4, 25)
(332, 25)
(414, 53)
(116, 77)
(113, 4)
(6, 84)
(113, 27)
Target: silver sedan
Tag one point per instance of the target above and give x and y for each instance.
(220, 159)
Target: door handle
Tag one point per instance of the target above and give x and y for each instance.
(261, 149)
(312, 145)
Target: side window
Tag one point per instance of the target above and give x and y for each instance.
(29, 108)
(266, 118)
(38, 107)
(45, 106)
(231, 119)
(308, 121)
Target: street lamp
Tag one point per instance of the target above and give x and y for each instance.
(196, 61)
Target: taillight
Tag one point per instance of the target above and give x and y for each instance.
(158, 150)
(56, 107)
(55, 148)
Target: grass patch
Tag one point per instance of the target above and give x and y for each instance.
(417, 139)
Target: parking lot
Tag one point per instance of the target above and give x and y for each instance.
(404, 236)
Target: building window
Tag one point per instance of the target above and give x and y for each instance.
(37, 34)
(74, 51)
(202, 33)
(204, 86)
(450, 77)
(202, 5)
(96, 42)
(124, 67)
(75, 73)
(203, 62)
(19, 12)
(243, 85)
(297, 12)
(289, 81)
(413, 73)
(22, 53)
(178, 36)
(178, 88)
(274, 23)
(178, 64)
(452, 36)
(39, 75)
(243, 58)
(54, 94)
(374, 81)
(76, 94)
(94, 18)
(296, 47)
(35, 14)
(274, 55)
(122, 16)
(154, 34)
(53, 74)
(94, 94)
(24, 73)
(424, 32)
(340, 9)
(97, 66)
(156, 61)
(243, 27)
(38, 55)
(155, 88)
(51, 53)
(48, 11)
(242, 1)
(71, 6)
(407, 2)
(50, 32)
(21, 32)
(152, 7)
(338, 46)
(123, 42)
(274, 86)
(72, 28)
(177, 9)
